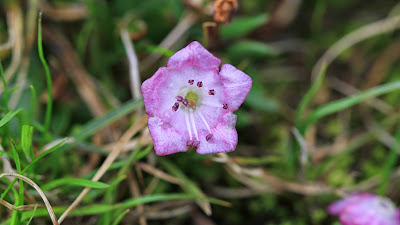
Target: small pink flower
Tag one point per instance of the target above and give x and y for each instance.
(365, 209)
(190, 103)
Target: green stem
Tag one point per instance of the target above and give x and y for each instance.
(48, 80)
(390, 163)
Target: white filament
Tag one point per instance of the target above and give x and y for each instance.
(193, 123)
(204, 121)
(188, 125)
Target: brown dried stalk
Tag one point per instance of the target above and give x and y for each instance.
(135, 128)
(37, 188)
(362, 33)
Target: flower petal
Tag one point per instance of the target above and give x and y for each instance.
(194, 54)
(166, 139)
(237, 84)
(224, 137)
(338, 206)
(149, 90)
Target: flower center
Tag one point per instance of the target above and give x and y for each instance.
(192, 98)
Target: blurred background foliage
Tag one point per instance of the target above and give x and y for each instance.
(284, 170)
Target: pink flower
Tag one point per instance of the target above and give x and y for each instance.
(365, 209)
(190, 103)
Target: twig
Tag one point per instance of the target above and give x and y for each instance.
(159, 173)
(134, 188)
(15, 23)
(11, 37)
(362, 33)
(30, 22)
(106, 164)
(13, 207)
(37, 188)
(172, 213)
(303, 146)
(133, 66)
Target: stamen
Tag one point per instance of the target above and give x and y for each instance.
(204, 121)
(208, 137)
(193, 124)
(196, 144)
(225, 106)
(211, 92)
(185, 102)
(189, 143)
(199, 84)
(175, 107)
(188, 125)
(191, 82)
(179, 98)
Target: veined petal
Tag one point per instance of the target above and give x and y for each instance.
(365, 209)
(150, 88)
(166, 139)
(237, 84)
(190, 103)
(224, 137)
(338, 206)
(194, 54)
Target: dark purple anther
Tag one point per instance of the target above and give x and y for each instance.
(175, 107)
(199, 84)
(189, 143)
(179, 98)
(185, 102)
(196, 144)
(191, 82)
(208, 137)
(211, 92)
(225, 106)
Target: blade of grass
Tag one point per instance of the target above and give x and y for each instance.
(188, 186)
(20, 199)
(48, 80)
(33, 213)
(120, 217)
(26, 141)
(37, 188)
(17, 161)
(32, 103)
(102, 208)
(389, 165)
(345, 103)
(98, 123)
(310, 94)
(135, 128)
(14, 215)
(9, 116)
(3, 79)
(50, 150)
(74, 182)
(30, 165)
